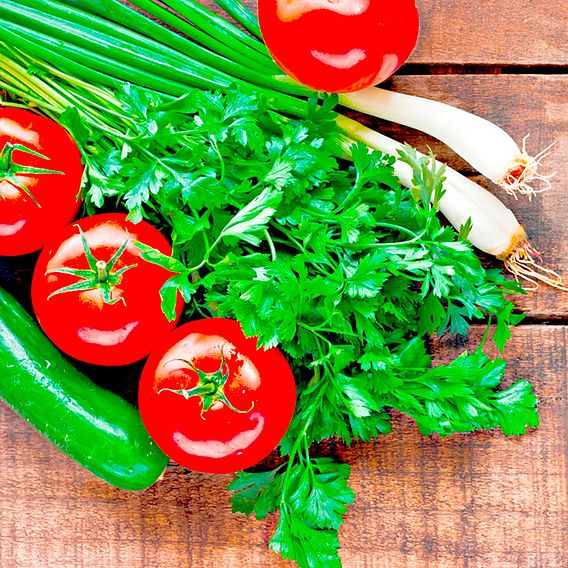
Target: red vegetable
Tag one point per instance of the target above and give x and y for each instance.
(212, 400)
(95, 297)
(40, 180)
(339, 45)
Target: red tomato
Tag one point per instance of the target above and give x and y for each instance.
(95, 297)
(212, 400)
(339, 45)
(34, 204)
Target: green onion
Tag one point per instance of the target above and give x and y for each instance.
(241, 14)
(87, 43)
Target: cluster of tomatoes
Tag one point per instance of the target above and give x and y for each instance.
(208, 396)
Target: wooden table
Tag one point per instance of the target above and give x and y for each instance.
(475, 501)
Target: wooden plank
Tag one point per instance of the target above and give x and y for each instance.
(479, 500)
(521, 104)
(491, 32)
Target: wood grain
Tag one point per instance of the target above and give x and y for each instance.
(477, 501)
(469, 501)
(492, 32)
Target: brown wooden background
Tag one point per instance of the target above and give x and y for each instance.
(470, 501)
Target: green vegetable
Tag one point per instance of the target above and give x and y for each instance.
(337, 263)
(347, 272)
(95, 427)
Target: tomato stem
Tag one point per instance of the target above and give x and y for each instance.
(9, 169)
(201, 390)
(102, 274)
(98, 275)
(210, 386)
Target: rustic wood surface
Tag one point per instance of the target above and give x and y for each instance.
(473, 500)
(470, 501)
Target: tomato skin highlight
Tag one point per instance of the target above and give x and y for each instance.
(80, 323)
(25, 227)
(218, 440)
(339, 46)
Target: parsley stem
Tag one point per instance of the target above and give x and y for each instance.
(207, 254)
(273, 254)
(197, 266)
(302, 249)
(322, 337)
(202, 231)
(294, 453)
(395, 243)
(215, 147)
(398, 228)
(322, 329)
(487, 330)
(200, 309)
(308, 462)
(302, 437)
(287, 241)
(290, 236)
(292, 457)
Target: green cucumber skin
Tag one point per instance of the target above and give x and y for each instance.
(93, 426)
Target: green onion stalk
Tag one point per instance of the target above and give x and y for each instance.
(32, 83)
(105, 43)
(487, 147)
(53, 91)
(212, 53)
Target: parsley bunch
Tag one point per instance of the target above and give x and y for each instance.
(335, 262)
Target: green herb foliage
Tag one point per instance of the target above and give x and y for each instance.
(347, 272)
(338, 265)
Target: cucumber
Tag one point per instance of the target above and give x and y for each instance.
(93, 426)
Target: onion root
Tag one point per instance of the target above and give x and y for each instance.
(520, 178)
(523, 261)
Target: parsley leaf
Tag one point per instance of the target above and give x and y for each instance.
(253, 217)
(312, 497)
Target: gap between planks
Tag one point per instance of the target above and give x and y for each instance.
(467, 69)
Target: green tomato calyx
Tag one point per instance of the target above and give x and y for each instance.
(9, 170)
(211, 386)
(99, 275)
